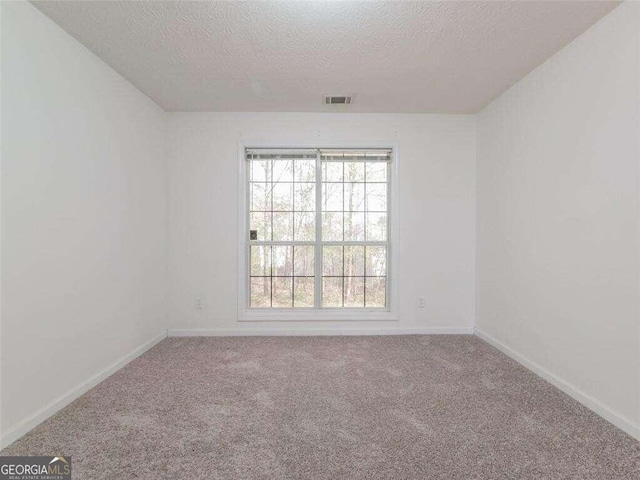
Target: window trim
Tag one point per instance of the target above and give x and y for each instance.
(246, 314)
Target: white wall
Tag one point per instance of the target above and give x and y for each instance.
(436, 222)
(83, 215)
(558, 217)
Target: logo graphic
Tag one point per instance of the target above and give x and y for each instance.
(35, 468)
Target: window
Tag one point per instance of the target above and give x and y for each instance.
(318, 229)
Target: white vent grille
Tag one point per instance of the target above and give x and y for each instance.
(337, 99)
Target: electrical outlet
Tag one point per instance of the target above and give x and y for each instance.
(198, 303)
(420, 302)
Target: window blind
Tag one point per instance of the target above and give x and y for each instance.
(342, 155)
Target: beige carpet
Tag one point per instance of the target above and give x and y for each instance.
(403, 407)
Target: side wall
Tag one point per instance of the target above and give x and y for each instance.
(83, 217)
(436, 223)
(558, 218)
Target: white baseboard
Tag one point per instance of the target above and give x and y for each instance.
(317, 331)
(588, 401)
(17, 431)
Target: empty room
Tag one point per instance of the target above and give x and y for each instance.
(319, 240)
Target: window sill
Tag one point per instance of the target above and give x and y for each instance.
(284, 315)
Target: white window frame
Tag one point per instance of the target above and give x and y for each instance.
(246, 314)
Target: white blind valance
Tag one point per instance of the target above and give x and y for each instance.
(352, 155)
(279, 153)
(342, 155)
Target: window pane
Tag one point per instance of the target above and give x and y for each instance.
(353, 260)
(376, 197)
(260, 197)
(260, 261)
(260, 170)
(376, 261)
(376, 227)
(282, 227)
(305, 197)
(261, 222)
(283, 170)
(376, 292)
(353, 171)
(304, 261)
(282, 259)
(332, 261)
(376, 171)
(283, 197)
(353, 226)
(354, 197)
(305, 170)
(304, 228)
(282, 208)
(332, 196)
(260, 292)
(304, 292)
(354, 292)
(332, 171)
(332, 226)
(282, 292)
(332, 292)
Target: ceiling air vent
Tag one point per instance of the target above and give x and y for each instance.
(337, 99)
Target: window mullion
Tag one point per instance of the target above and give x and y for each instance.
(318, 247)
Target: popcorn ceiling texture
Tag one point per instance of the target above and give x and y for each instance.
(436, 57)
(401, 407)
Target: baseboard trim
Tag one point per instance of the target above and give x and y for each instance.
(65, 399)
(319, 331)
(588, 401)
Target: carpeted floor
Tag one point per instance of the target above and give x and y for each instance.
(399, 407)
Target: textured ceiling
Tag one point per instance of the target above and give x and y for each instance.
(440, 57)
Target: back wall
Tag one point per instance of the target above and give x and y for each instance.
(436, 184)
